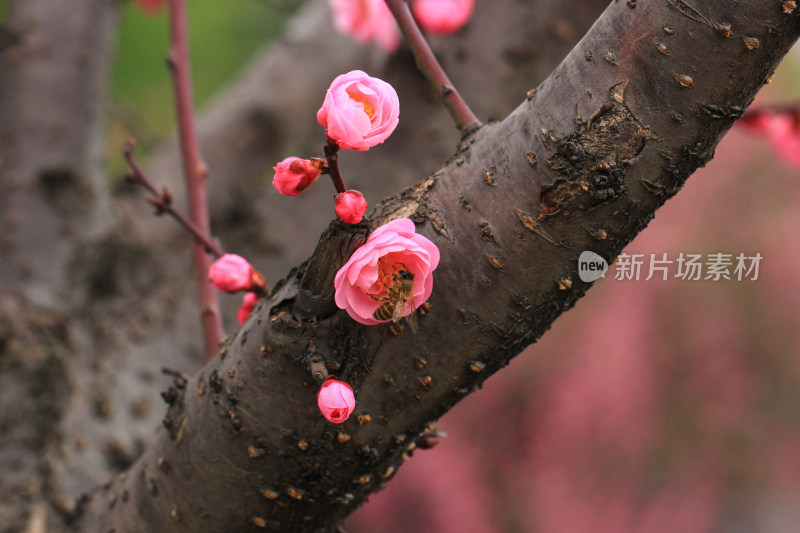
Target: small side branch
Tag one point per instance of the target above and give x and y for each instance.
(428, 64)
(163, 201)
(194, 169)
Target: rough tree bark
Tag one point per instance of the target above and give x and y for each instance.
(582, 164)
(81, 377)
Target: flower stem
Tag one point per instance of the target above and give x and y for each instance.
(465, 119)
(332, 156)
(194, 170)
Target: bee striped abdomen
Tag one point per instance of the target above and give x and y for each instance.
(397, 294)
(384, 312)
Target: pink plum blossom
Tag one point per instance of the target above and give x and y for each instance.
(783, 131)
(366, 21)
(442, 16)
(248, 303)
(350, 206)
(362, 283)
(232, 273)
(359, 111)
(293, 175)
(336, 400)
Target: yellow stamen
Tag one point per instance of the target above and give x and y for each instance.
(358, 97)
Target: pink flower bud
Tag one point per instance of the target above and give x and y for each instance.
(350, 206)
(442, 16)
(366, 21)
(369, 280)
(232, 273)
(359, 112)
(248, 303)
(336, 400)
(293, 175)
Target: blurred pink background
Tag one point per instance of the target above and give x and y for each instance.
(653, 406)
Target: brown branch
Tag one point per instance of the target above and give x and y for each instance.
(194, 170)
(163, 201)
(428, 64)
(511, 211)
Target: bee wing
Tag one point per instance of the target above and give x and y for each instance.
(412, 321)
(399, 307)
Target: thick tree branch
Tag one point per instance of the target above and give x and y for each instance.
(134, 301)
(601, 144)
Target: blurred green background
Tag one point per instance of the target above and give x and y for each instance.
(222, 38)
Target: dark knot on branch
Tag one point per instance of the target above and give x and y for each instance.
(316, 296)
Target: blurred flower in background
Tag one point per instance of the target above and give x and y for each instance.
(653, 406)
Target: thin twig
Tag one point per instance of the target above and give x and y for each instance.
(163, 201)
(427, 64)
(332, 157)
(194, 170)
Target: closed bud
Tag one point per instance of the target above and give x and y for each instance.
(350, 206)
(233, 273)
(336, 400)
(293, 175)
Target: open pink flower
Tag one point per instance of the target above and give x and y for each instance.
(366, 21)
(364, 283)
(350, 206)
(232, 273)
(359, 111)
(442, 16)
(293, 175)
(248, 303)
(336, 400)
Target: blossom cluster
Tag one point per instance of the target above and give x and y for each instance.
(368, 281)
(358, 113)
(390, 276)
